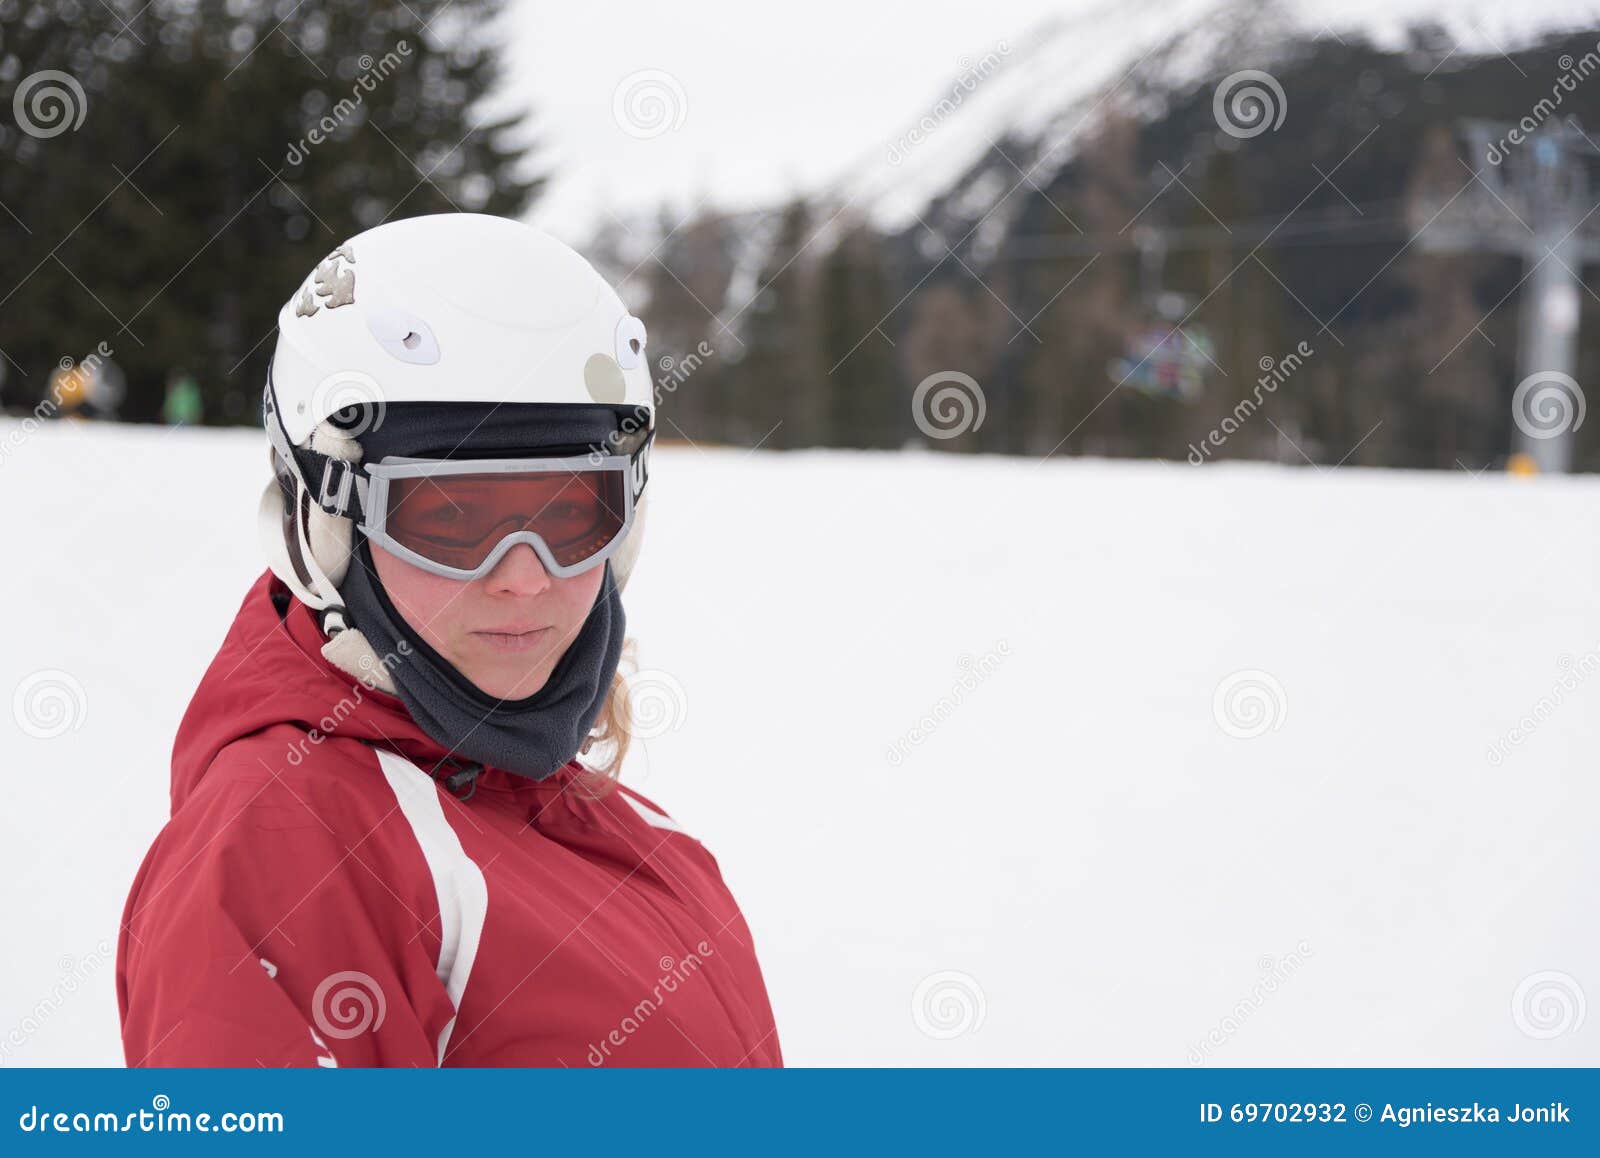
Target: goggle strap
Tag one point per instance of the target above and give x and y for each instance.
(340, 481)
(639, 464)
(342, 485)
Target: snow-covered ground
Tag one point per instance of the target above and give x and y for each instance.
(1082, 857)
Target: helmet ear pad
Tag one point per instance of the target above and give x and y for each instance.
(304, 544)
(330, 538)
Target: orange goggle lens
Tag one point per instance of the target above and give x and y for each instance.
(458, 520)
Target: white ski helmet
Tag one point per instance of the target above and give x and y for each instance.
(448, 308)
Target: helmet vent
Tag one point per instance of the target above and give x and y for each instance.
(630, 342)
(404, 335)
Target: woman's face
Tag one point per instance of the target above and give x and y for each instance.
(504, 632)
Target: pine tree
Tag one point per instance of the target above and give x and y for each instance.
(223, 150)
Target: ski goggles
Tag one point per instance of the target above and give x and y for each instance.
(458, 517)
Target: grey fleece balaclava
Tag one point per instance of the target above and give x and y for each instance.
(532, 737)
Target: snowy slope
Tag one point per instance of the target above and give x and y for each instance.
(1040, 94)
(1080, 851)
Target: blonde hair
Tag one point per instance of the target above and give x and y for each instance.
(607, 745)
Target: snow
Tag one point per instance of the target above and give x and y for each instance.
(1079, 849)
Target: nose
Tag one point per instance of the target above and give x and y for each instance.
(519, 572)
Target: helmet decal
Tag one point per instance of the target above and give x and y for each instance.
(604, 379)
(337, 287)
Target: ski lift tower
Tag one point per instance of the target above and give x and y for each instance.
(1534, 201)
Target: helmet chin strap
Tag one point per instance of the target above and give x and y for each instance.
(346, 648)
(322, 534)
(302, 570)
(349, 651)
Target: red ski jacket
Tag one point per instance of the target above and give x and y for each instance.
(318, 899)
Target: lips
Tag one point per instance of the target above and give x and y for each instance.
(517, 639)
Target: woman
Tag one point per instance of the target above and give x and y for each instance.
(383, 849)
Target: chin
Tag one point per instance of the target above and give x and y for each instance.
(518, 686)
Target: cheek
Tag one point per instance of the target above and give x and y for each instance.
(427, 602)
(578, 595)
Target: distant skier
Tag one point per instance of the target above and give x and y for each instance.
(383, 849)
(183, 405)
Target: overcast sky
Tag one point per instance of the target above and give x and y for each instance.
(768, 103)
(739, 103)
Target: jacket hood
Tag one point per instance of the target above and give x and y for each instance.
(270, 670)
